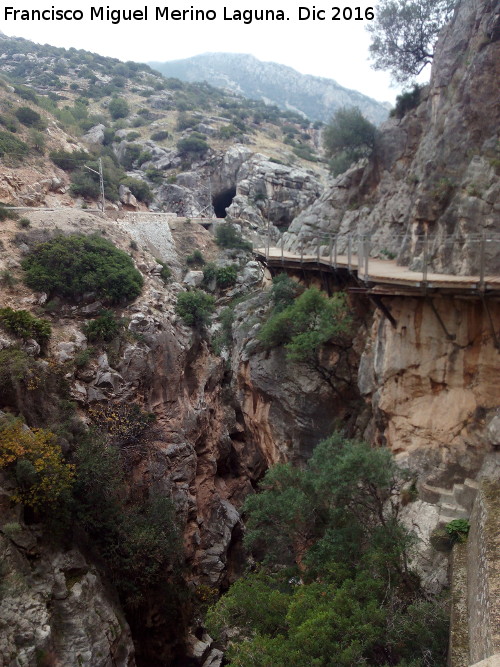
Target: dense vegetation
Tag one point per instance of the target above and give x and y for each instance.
(195, 308)
(307, 326)
(36, 458)
(23, 324)
(347, 138)
(227, 236)
(71, 266)
(138, 540)
(333, 586)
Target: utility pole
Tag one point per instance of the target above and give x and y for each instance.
(101, 184)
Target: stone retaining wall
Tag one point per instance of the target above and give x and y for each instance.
(475, 591)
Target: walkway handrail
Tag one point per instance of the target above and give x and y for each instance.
(421, 249)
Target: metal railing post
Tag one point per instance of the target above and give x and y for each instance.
(301, 252)
(367, 256)
(282, 249)
(349, 252)
(330, 251)
(335, 252)
(426, 260)
(482, 262)
(318, 249)
(360, 256)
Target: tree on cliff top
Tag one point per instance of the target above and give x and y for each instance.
(404, 34)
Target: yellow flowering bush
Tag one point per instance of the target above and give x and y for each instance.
(40, 469)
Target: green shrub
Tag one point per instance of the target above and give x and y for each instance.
(458, 529)
(154, 175)
(227, 236)
(195, 258)
(139, 542)
(82, 357)
(306, 153)
(139, 188)
(109, 136)
(129, 155)
(7, 278)
(160, 135)
(118, 108)
(9, 123)
(407, 101)
(23, 324)
(26, 93)
(24, 223)
(228, 131)
(226, 276)
(348, 136)
(7, 212)
(30, 118)
(195, 308)
(312, 320)
(332, 585)
(283, 291)
(165, 273)
(209, 273)
(67, 160)
(10, 145)
(70, 266)
(37, 141)
(84, 185)
(185, 121)
(195, 144)
(104, 328)
(132, 135)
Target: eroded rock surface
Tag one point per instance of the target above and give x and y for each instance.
(436, 169)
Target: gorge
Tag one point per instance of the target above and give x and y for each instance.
(172, 417)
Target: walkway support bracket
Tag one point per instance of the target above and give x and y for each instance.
(376, 299)
(496, 341)
(448, 335)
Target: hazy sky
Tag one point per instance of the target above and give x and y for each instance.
(334, 49)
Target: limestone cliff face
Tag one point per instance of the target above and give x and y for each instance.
(436, 169)
(197, 453)
(54, 606)
(434, 400)
(289, 407)
(255, 190)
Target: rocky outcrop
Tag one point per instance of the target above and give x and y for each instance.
(436, 169)
(269, 192)
(288, 408)
(54, 607)
(246, 186)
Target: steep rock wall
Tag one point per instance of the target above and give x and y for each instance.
(433, 398)
(436, 169)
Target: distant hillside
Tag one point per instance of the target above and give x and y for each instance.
(316, 97)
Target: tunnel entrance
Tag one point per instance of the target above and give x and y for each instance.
(222, 200)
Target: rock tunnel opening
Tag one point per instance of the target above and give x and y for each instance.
(222, 200)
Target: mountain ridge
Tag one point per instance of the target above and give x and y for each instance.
(315, 97)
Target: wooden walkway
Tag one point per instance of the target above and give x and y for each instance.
(382, 276)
